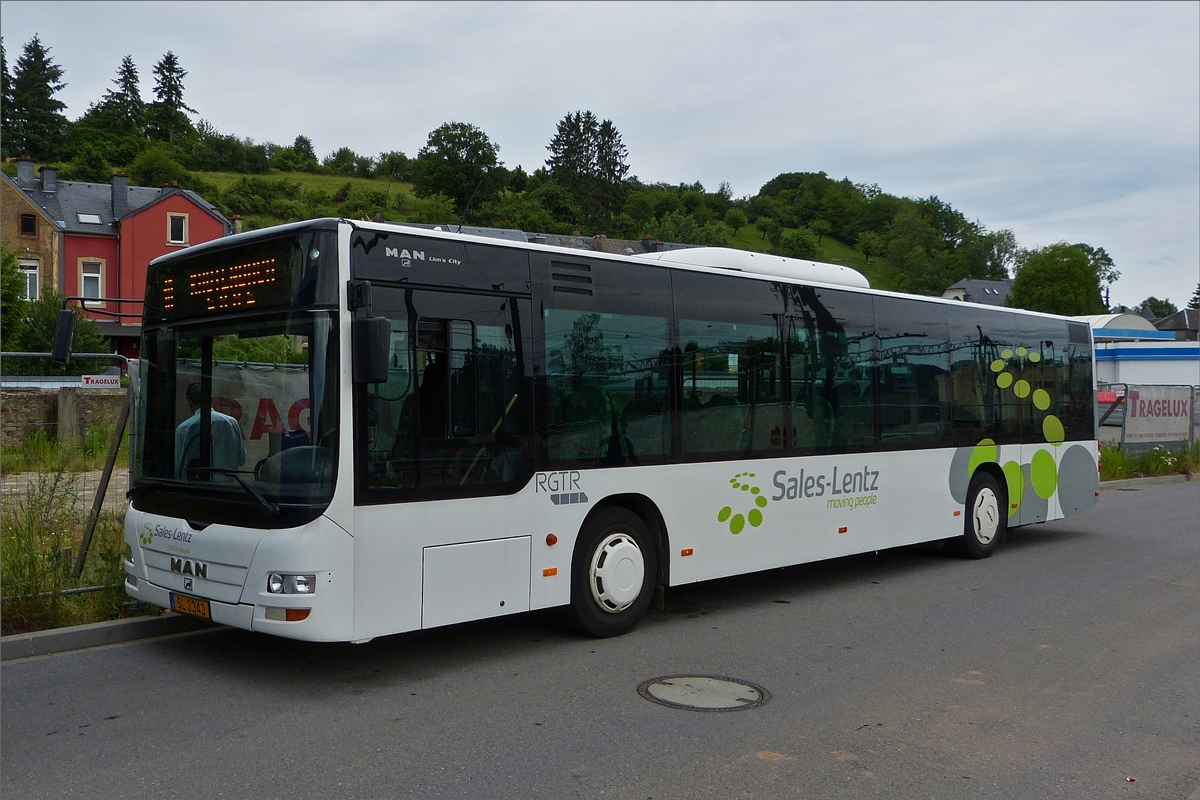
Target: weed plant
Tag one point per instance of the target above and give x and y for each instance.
(1116, 464)
(40, 535)
(40, 453)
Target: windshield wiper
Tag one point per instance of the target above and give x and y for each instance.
(269, 508)
(145, 485)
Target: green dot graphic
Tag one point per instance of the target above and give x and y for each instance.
(755, 517)
(998, 365)
(733, 481)
(724, 513)
(745, 487)
(1052, 428)
(1021, 388)
(754, 490)
(760, 501)
(751, 474)
(984, 452)
(1006, 353)
(1043, 475)
(736, 524)
(1004, 380)
(1035, 357)
(1016, 485)
(1041, 399)
(1021, 351)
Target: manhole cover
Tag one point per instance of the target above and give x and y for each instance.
(703, 693)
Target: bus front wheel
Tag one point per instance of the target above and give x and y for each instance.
(612, 573)
(986, 517)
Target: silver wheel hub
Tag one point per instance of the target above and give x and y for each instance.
(985, 516)
(616, 572)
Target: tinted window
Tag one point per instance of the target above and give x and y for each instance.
(607, 362)
(830, 346)
(914, 367)
(405, 258)
(734, 391)
(983, 353)
(455, 416)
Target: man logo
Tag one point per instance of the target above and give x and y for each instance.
(404, 255)
(185, 566)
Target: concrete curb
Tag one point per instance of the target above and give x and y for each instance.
(78, 637)
(1139, 483)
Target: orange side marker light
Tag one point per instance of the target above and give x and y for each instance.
(687, 551)
(546, 573)
(551, 539)
(296, 614)
(958, 513)
(843, 529)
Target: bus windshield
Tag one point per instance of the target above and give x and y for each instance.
(236, 417)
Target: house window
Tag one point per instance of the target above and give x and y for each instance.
(177, 229)
(28, 225)
(90, 219)
(29, 272)
(91, 279)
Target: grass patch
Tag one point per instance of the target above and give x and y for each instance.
(1116, 464)
(40, 534)
(329, 184)
(40, 453)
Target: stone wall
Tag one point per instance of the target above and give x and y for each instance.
(63, 413)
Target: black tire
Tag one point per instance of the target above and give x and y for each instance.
(986, 517)
(608, 597)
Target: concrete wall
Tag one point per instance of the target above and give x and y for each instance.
(63, 413)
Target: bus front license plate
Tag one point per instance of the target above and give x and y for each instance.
(190, 605)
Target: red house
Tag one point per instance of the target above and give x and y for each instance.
(109, 235)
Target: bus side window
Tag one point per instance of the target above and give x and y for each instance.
(455, 416)
(734, 391)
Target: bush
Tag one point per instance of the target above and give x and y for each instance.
(1116, 464)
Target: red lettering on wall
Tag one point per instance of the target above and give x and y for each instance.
(294, 412)
(267, 419)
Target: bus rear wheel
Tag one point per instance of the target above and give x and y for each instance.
(612, 574)
(986, 517)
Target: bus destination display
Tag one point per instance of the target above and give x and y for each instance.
(227, 288)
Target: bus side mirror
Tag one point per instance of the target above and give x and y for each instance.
(372, 343)
(64, 337)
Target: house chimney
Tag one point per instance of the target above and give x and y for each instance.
(120, 196)
(237, 223)
(49, 179)
(25, 172)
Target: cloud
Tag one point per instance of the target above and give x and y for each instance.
(1062, 121)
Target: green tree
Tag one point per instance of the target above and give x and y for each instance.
(37, 336)
(300, 157)
(821, 228)
(155, 167)
(90, 165)
(5, 99)
(588, 157)
(347, 163)
(393, 164)
(799, 243)
(1156, 308)
(1195, 301)
(168, 117)
(1058, 279)
(124, 107)
(35, 124)
(522, 211)
(736, 219)
(12, 303)
(458, 160)
(870, 244)
(772, 231)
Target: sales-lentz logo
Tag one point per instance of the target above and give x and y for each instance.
(173, 534)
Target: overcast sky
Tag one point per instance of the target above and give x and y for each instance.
(1076, 122)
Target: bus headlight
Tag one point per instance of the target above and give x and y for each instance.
(278, 583)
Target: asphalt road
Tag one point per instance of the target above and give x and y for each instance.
(1066, 664)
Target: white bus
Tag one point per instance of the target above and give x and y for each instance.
(348, 429)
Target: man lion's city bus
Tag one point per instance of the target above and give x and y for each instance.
(352, 429)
